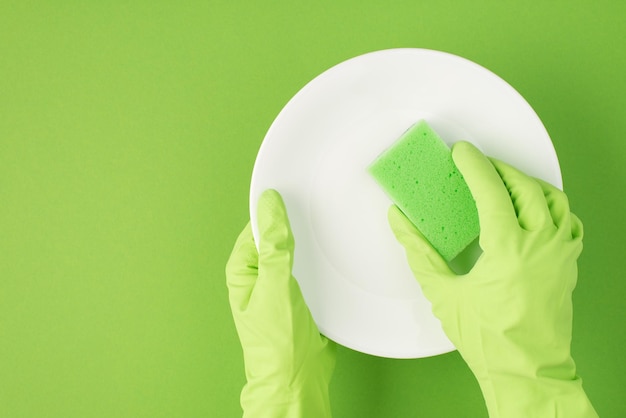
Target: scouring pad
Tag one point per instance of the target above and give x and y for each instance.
(418, 174)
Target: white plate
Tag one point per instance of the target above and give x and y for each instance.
(352, 272)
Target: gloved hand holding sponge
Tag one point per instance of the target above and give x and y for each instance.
(510, 317)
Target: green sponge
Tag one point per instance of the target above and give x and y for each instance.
(418, 174)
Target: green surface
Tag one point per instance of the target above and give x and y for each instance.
(418, 174)
(128, 131)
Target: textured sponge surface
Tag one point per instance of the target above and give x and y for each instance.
(418, 174)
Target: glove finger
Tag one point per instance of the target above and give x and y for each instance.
(276, 242)
(563, 218)
(276, 289)
(427, 265)
(577, 227)
(527, 197)
(558, 204)
(496, 214)
(241, 270)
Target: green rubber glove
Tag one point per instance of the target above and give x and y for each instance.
(510, 317)
(288, 363)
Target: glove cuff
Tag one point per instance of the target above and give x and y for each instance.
(515, 396)
(262, 400)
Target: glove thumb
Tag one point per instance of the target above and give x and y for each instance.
(427, 264)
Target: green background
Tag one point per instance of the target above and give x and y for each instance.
(128, 132)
